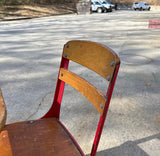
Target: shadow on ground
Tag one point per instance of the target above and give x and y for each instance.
(129, 148)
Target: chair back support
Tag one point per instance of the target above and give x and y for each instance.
(101, 60)
(93, 56)
(88, 90)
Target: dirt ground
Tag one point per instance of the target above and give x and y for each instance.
(36, 11)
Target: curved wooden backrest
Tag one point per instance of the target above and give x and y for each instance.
(3, 112)
(95, 57)
(92, 55)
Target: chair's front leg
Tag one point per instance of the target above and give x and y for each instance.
(3, 112)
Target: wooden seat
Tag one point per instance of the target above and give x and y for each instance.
(44, 137)
(48, 136)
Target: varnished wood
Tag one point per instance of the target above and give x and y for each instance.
(3, 112)
(88, 90)
(45, 137)
(92, 55)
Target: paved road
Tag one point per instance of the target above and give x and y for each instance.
(29, 60)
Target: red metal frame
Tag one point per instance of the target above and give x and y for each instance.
(56, 105)
(55, 108)
(102, 118)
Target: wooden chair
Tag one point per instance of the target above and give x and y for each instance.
(48, 136)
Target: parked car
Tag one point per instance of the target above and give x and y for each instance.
(108, 7)
(111, 4)
(141, 6)
(96, 6)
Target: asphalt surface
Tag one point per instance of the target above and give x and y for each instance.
(29, 61)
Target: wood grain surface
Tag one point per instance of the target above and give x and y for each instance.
(45, 137)
(93, 56)
(95, 96)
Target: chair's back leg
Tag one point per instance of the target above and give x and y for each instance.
(102, 118)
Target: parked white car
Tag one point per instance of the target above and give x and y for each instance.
(107, 6)
(96, 6)
(141, 6)
(111, 4)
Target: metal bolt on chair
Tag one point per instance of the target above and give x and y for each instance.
(47, 136)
